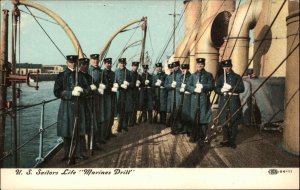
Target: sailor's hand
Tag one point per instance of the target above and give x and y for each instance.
(147, 82)
(93, 87)
(183, 85)
(101, 91)
(75, 93)
(224, 90)
(137, 83)
(114, 89)
(124, 86)
(116, 85)
(173, 85)
(199, 85)
(126, 83)
(181, 89)
(78, 88)
(227, 86)
(102, 86)
(198, 90)
(157, 84)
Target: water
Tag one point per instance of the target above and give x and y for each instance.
(29, 123)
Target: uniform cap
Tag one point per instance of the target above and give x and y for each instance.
(72, 58)
(94, 56)
(176, 63)
(84, 61)
(200, 60)
(158, 64)
(226, 63)
(107, 60)
(171, 65)
(185, 66)
(122, 60)
(145, 66)
(135, 63)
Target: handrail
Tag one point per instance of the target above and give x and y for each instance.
(22, 107)
(40, 133)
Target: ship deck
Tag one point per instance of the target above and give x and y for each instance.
(153, 146)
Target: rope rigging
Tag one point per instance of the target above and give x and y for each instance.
(170, 38)
(46, 33)
(125, 46)
(39, 17)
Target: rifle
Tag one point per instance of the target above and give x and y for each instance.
(215, 128)
(178, 113)
(112, 116)
(75, 134)
(194, 133)
(123, 106)
(157, 106)
(136, 98)
(173, 106)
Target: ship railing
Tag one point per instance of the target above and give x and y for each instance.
(42, 129)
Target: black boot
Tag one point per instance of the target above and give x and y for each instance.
(163, 117)
(150, 116)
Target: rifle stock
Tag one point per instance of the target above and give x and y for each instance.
(75, 136)
(194, 133)
(177, 115)
(157, 106)
(112, 116)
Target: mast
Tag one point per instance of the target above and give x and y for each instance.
(174, 24)
(3, 63)
(144, 27)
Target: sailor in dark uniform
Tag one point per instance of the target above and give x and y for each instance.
(67, 90)
(172, 86)
(229, 85)
(88, 102)
(136, 82)
(184, 124)
(124, 96)
(200, 84)
(109, 98)
(96, 72)
(160, 95)
(146, 95)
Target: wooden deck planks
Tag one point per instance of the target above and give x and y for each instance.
(152, 145)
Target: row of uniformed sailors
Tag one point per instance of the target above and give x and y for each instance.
(104, 93)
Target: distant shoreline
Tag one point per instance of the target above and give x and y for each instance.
(44, 76)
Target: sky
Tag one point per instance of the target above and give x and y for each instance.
(93, 22)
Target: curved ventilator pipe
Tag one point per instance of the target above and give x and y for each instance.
(246, 18)
(58, 19)
(105, 47)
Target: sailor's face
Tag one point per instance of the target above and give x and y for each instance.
(108, 65)
(84, 67)
(158, 69)
(121, 65)
(95, 62)
(171, 70)
(176, 68)
(71, 65)
(200, 66)
(227, 69)
(184, 71)
(134, 68)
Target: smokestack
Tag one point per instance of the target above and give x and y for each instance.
(192, 22)
(291, 114)
(213, 29)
